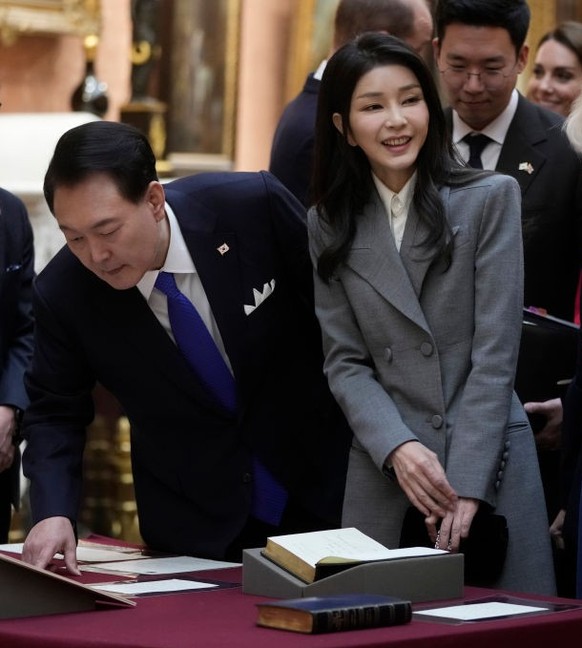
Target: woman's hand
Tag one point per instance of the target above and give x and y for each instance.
(423, 479)
(556, 529)
(550, 435)
(454, 525)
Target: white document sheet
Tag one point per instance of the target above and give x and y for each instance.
(478, 611)
(170, 565)
(152, 587)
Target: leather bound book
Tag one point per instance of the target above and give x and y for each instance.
(317, 614)
(315, 555)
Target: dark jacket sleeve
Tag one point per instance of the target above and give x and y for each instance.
(16, 321)
(571, 474)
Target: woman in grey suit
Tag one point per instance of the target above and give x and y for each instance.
(418, 286)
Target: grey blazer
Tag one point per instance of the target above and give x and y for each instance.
(415, 351)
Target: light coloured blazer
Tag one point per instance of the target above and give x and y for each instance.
(416, 351)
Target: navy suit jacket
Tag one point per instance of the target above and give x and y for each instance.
(191, 461)
(551, 206)
(293, 142)
(16, 324)
(571, 475)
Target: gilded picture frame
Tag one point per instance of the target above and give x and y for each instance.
(47, 17)
(201, 83)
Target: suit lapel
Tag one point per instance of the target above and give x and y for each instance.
(217, 260)
(221, 277)
(375, 258)
(416, 258)
(520, 156)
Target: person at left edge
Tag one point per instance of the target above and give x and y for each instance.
(16, 325)
(237, 245)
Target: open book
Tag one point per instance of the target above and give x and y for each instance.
(318, 554)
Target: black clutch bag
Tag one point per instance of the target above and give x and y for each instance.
(484, 550)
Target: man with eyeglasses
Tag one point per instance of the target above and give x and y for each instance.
(480, 50)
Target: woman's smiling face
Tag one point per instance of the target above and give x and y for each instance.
(388, 120)
(556, 78)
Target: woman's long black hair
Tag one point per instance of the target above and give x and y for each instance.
(342, 182)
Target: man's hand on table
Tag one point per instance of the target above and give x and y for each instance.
(48, 537)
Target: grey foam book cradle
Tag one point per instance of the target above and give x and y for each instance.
(417, 579)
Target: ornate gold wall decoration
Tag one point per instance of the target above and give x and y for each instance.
(76, 17)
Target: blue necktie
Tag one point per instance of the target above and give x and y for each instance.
(198, 347)
(476, 145)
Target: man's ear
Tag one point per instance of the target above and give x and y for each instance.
(156, 198)
(522, 58)
(337, 122)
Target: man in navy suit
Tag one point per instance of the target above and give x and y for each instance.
(16, 274)
(292, 148)
(237, 246)
(480, 50)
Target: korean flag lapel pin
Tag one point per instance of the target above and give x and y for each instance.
(223, 249)
(527, 167)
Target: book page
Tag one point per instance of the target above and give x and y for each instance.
(345, 544)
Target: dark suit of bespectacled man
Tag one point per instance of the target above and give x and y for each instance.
(16, 326)
(237, 246)
(480, 52)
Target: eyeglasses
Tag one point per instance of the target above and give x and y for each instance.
(491, 78)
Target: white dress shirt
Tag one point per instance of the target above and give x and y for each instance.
(180, 263)
(397, 206)
(496, 130)
(318, 74)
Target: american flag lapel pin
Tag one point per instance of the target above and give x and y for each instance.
(527, 167)
(223, 249)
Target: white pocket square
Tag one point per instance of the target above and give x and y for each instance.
(260, 297)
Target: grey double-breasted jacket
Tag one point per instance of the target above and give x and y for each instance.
(418, 351)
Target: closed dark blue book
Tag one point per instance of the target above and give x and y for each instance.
(318, 614)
